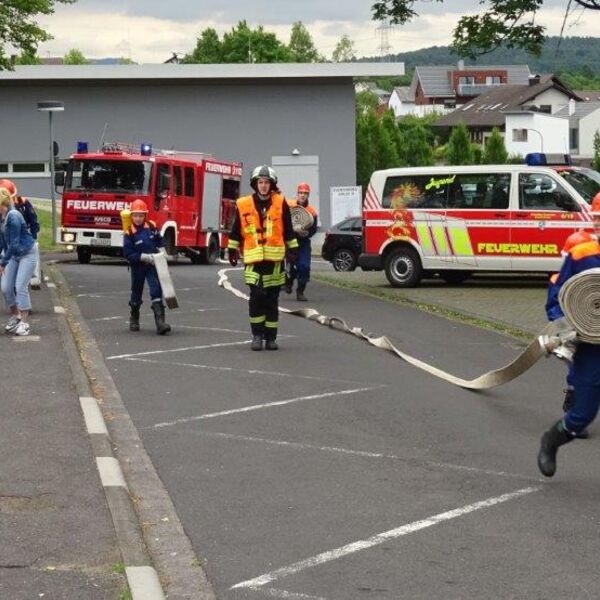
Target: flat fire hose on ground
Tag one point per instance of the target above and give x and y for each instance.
(579, 299)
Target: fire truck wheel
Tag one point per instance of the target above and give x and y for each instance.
(213, 250)
(403, 267)
(455, 277)
(84, 255)
(170, 243)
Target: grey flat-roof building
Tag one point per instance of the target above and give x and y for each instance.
(299, 117)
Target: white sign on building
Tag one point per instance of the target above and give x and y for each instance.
(346, 201)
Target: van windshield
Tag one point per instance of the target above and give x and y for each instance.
(109, 176)
(585, 181)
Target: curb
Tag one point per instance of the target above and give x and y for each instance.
(134, 491)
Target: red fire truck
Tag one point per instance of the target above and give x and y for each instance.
(190, 196)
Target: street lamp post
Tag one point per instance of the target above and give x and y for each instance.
(51, 106)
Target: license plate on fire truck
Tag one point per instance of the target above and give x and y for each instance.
(100, 242)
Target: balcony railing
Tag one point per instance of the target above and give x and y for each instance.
(476, 89)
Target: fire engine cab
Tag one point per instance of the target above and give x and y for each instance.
(456, 220)
(190, 196)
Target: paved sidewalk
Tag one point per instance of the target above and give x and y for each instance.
(58, 539)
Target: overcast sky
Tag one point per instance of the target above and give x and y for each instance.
(151, 30)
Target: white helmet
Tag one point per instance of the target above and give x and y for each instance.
(263, 171)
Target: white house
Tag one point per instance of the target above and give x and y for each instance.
(530, 131)
(583, 120)
(402, 102)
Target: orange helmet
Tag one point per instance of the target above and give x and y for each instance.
(9, 186)
(579, 237)
(304, 187)
(138, 206)
(595, 206)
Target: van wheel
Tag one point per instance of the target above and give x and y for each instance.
(455, 277)
(170, 243)
(84, 255)
(403, 267)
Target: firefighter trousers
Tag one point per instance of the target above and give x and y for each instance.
(263, 307)
(301, 270)
(139, 274)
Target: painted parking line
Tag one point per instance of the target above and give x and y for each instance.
(254, 407)
(365, 454)
(171, 350)
(179, 312)
(380, 538)
(126, 293)
(284, 594)
(237, 370)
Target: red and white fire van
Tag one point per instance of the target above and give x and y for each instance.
(457, 220)
(190, 196)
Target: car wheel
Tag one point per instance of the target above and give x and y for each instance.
(84, 255)
(403, 267)
(455, 277)
(344, 260)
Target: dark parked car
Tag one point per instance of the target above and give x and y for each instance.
(343, 243)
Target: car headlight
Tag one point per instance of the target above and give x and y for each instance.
(68, 237)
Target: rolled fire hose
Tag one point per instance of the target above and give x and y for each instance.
(573, 299)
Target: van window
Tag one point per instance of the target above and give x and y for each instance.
(538, 191)
(480, 191)
(417, 191)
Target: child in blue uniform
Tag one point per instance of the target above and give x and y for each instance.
(140, 243)
(584, 374)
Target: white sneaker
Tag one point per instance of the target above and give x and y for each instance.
(21, 329)
(12, 323)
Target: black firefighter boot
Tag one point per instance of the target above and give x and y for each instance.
(258, 334)
(134, 317)
(270, 343)
(300, 293)
(158, 308)
(552, 440)
(289, 284)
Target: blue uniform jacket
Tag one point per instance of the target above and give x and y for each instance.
(15, 239)
(26, 209)
(143, 240)
(586, 366)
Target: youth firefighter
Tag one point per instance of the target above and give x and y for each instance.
(262, 231)
(140, 243)
(301, 270)
(584, 374)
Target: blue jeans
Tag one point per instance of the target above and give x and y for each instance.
(139, 274)
(15, 281)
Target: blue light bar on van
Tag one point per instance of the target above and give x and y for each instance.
(146, 149)
(82, 147)
(540, 159)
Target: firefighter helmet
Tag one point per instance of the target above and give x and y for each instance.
(304, 187)
(263, 171)
(595, 206)
(579, 237)
(138, 206)
(9, 186)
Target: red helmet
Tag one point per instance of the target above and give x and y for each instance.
(304, 187)
(9, 186)
(579, 237)
(595, 206)
(138, 206)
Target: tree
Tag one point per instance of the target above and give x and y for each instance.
(495, 152)
(75, 57)
(344, 50)
(28, 59)
(18, 28)
(365, 101)
(596, 160)
(417, 152)
(459, 151)
(302, 46)
(509, 23)
(208, 50)
(243, 44)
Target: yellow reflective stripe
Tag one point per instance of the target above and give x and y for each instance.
(439, 235)
(425, 239)
(274, 253)
(272, 324)
(233, 244)
(461, 242)
(256, 320)
(250, 277)
(271, 280)
(252, 256)
(292, 243)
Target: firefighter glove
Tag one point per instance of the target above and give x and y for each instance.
(233, 254)
(147, 258)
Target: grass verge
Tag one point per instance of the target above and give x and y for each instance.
(45, 235)
(435, 309)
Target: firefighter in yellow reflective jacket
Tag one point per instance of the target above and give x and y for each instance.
(262, 231)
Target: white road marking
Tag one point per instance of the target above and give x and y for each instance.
(365, 454)
(125, 293)
(179, 312)
(110, 472)
(253, 407)
(276, 593)
(202, 347)
(220, 329)
(94, 421)
(380, 538)
(51, 285)
(19, 339)
(59, 310)
(236, 370)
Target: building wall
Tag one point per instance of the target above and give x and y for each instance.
(248, 122)
(588, 126)
(554, 134)
(552, 97)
